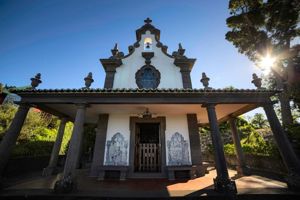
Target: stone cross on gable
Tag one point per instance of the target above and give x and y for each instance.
(148, 20)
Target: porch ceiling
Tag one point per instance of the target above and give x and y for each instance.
(224, 111)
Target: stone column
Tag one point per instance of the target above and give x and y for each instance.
(68, 181)
(222, 182)
(74, 146)
(286, 151)
(110, 66)
(99, 147)
(185, 64)
(11, 135)
(241, 167)
(51, 168)
(81, 156)
(186, 77)
(195, 145)
(109, 78)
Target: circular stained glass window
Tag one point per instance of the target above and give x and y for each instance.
(147, 77)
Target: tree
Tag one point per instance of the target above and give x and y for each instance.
(259, 121)
(259, 28)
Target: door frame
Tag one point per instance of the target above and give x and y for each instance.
(162, 131)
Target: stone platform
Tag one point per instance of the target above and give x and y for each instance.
(89, 188)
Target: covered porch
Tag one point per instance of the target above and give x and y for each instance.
(200, 106)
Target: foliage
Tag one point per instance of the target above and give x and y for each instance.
(294, 136)
(7, 113)
(32, 148)
(295, 91)
(259, 121)
(66, 138)
(254, 145)
(229, 149)
(89, 138)
(261, 27)
(251, 135)
(38, 132)
(258, 25)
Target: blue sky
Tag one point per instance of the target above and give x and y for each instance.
(63, 40)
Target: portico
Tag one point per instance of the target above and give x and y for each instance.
(199, 103)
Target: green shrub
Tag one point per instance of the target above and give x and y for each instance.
(229, 149)
(32, 148)
(38, 132)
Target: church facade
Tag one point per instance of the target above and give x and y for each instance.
(151, 140)
(148, 117)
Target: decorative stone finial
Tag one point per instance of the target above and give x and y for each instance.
(180, 50)
(116, 54)
(205, 81)
(115, 50)
(148, 20)
(88, 80)
(36, 80)
(256, 81)
(146, 114)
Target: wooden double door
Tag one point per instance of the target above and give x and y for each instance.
(147, 147)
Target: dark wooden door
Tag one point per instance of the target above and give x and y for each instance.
(147, 148)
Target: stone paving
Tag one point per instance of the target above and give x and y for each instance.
(202, 186)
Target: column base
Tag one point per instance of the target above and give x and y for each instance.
(293, 182)
(243, 171)
(225, 185)
(198, 170)
(65, 185)
(48, 171)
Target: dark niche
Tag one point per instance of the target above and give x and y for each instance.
(147, 77)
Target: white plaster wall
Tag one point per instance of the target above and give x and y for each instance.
(177, 123)
(170, 73)
(118, 123)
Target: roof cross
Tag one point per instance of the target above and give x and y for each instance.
(148, 20)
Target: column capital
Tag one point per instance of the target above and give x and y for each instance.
(185, 68)
(232, 118)
(23, 105)
(209, 105)
(63, 119)
(81, 105)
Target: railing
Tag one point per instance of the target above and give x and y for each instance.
(149, 157)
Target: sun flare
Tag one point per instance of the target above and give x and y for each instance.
(266, 63)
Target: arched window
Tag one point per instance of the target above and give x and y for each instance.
(148, 44)
(147, 77)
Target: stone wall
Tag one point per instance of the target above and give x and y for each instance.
(257, 164)
(20, 166)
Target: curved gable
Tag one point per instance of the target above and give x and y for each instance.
(122, 71)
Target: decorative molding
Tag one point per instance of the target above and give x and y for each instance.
(116, 152)
(148, 56)
(131, 49)
(162, 130)
(147, 27)
(178, 150)
(164, 48)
